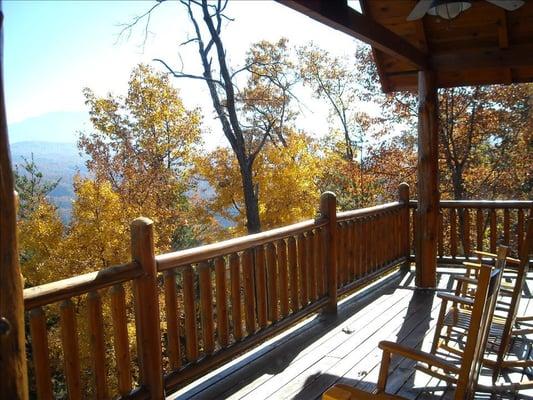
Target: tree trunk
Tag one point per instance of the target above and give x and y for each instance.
(251, 201)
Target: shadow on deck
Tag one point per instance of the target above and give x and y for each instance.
(324, 350)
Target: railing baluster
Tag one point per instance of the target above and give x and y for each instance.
(340, 255)
(222, 302)
(373, 225)
(96, 329)
(206, 307)
(311, 264)
(493, 231)
(260, 288)
(236, 310)
(466, 232)
(353, 228)
(171, 310)
(120, 339)
(293, 270)
(349, 252)
(283, 278)
(415, 227)
(272, 282)
(479, 229)
(41, 360)
(249, 295)
(506, 226)
(453, 233)
(302, 270)
(440, 239)
(189, 309)
(359, 248)
(366, 246)
(520, 231)
(321, 264)
(69, 339)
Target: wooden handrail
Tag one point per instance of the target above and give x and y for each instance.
(489, 204)
(197, 254)
(365, 212)
(66, 288)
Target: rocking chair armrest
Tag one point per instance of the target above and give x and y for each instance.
(525, 318)
(465, 279)
(468, 264)
(510, 260)
(522, 331)
(456, 299)
(418, 355)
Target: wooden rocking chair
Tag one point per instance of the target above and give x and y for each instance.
(464, 377)
(504, 323)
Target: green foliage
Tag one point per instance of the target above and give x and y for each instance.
(30, 187)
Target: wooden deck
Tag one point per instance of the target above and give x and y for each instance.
(321, 351)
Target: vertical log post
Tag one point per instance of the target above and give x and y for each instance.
(328, 209)
(428, 179)
(403, 198)
(147, 308)
(14, 375)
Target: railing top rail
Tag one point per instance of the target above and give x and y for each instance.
(491, 204)
(364, 212)
(77, 285)
(197, 254)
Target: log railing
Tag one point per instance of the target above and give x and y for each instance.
(161, 320)
(468, 225)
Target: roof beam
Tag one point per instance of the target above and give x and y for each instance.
(516, 56)
(336, 14)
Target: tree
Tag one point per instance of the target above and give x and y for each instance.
(30, 187)
(40, 233)
(249, 117)
(332, 79)
(142, 146)
(286, 175)
(349, 86)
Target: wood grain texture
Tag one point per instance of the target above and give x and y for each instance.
(171, 312)
(120, 339)
(40, 354)
(206, 307)
(222, 302)
(14, 375)
(96, 330)
(428, 180)
(145, 289)
(71, 358)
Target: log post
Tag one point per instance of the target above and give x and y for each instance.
(147, 308)
(14, 375)
(428, 181)
(328, 209)
(403, 198)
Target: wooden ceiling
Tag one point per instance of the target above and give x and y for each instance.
(483, 45)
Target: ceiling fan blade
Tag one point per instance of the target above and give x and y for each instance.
(509, 5)
(420, 10)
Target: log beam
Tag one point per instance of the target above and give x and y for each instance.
(428, 182)
(337, 15)
(13, 376)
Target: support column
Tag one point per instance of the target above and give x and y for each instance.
(428, 181)
(13, 371)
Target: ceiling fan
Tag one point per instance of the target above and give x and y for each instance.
(449, 9)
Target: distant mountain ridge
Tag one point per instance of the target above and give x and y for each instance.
(56, 161)
(55, 127)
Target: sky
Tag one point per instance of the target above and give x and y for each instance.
(53, 49)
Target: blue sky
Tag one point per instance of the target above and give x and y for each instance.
(53, 49)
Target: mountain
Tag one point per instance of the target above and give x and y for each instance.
(55, 127)
(55, 161)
